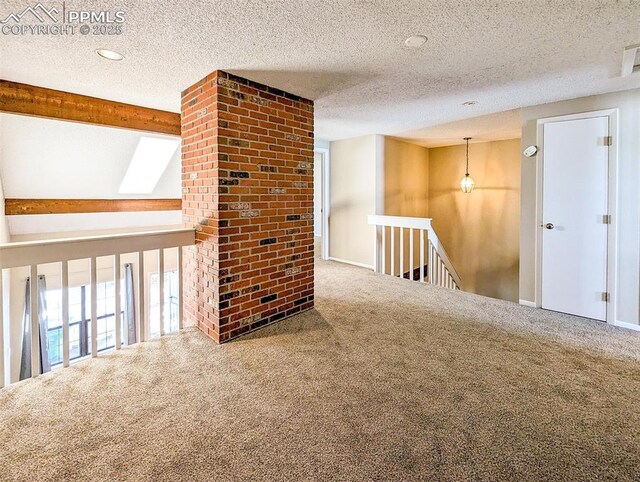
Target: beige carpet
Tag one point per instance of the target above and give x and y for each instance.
(386, 380)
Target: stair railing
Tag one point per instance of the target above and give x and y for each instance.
(430, 264)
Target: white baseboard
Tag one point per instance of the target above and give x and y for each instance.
(528, 303)
(353, 263)
(629, 326)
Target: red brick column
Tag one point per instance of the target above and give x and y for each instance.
(247, 188)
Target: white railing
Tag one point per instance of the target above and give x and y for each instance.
(392, 258)
(112, 250)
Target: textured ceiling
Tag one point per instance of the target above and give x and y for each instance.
(491, 127)
(347, 55)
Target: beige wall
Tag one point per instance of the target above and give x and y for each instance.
(480, 230)
(628, 246)
(406, 179)
(354, 183)
(317, 194)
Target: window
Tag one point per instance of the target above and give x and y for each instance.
(171, 293)
(80, 316)
(80, 321)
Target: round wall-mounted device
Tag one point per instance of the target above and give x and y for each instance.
(530, 151)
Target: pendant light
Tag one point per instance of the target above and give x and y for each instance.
(467, 182)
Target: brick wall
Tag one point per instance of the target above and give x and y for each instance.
(247, 188)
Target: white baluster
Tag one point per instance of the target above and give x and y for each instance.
(35, 332)
(1, 332)
(180, 309)
(393, 251)
(93, 273)
(142, 324)
(421, 255)
(411, 254)
(401, 252)
(431, 264)
(65, 313)
(118, 300)
(161, 288)
(384, 250)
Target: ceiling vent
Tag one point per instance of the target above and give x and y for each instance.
(631, 60)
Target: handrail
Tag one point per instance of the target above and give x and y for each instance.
(444, 255)
(400, 221)
(421, 224)
(14, 255)
(31, 254)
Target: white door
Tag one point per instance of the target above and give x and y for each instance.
(574, 202)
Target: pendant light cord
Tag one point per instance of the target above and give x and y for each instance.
(467, 171)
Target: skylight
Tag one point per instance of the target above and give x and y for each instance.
(147, 165)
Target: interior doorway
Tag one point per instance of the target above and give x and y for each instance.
(576, 215)
(321, 203)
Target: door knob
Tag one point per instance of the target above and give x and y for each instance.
(549, 226)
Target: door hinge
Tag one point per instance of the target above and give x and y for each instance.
(608, 140)
(605, 296)
(606, 219)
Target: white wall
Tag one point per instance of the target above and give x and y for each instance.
(44, 158)
(50, 226)
(4, 238)
(628, 285)
(4, 227)
(321, 144)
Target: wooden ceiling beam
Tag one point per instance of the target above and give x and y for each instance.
(23, 99)
(15, 207)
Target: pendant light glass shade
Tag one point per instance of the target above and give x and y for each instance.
(467, 182)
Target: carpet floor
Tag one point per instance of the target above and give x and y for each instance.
(385, 380)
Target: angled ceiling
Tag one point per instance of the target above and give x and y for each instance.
(43, 158)
(347, 56)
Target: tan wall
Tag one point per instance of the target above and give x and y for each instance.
(628, 216)
(406, 179)
(405, 191)
(480, 230)
(353, 198)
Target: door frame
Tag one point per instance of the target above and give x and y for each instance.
(612, 201)
(326, 204)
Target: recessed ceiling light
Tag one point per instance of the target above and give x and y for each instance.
(109, 54)
(470, 102)
(415, 41)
